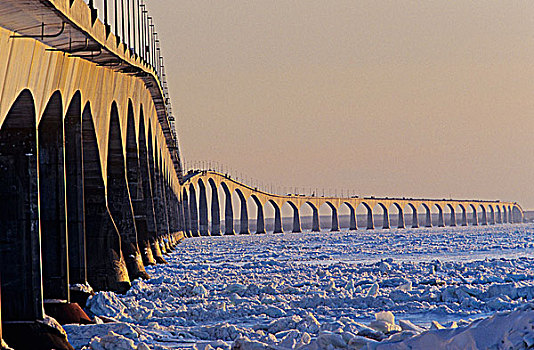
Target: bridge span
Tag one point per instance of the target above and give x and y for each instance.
(90, 173)
(199, 220)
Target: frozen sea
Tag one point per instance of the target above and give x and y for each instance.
(319, 290)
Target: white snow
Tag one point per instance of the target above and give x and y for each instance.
(372, 289)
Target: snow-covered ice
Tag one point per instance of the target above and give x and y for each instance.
(384, 289)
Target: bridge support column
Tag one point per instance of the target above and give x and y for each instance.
(492, 216)
(428, 217)
(453, 217)
(499, 216)
(260, 219)
(52, 202)
(385, 218)
(415, 218)
(510, 215)
(193, 211)
(20, 251)
(400, 223)
(441, 218)
(277, 219)
(228, 213)
(74, 193)
(370, 219)
(186, 212)
(316, 225)
(296, 220)
(243, 222)
(464, 217)
(475, 217)
(203, 209)
(484, 217)
(215, 211)
(335, 221)
(353, 224)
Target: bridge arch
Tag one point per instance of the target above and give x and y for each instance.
(385, 214)
(452, 216)
(277, 217)
(441, 214)
(370, 217)
(215, 209)
(203, 214)
(400, 215)
(428, 214)
(474, 214)
(463, 220)
(334, 219)
(193, 210)
(415, 215)
(296, 217)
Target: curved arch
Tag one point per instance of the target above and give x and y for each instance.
(260, 218)
(517, 214)
(400, 220)
(203, 208)
(316, 224)
(215, 209)
(491, 219)
(370, 218)
(484, 218)
(19, 222)
(52, 201)
(277, 217)
(228, 211)
(353, 223)
(296, 217)
(118, 198)
(185, 204)
(243, 221)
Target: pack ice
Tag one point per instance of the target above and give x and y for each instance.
(439, 288)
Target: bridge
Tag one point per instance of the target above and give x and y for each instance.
(91, 183)
(197, 215)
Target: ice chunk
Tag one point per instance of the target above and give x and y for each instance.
(386, 316)
(373, 290)
(409, 326)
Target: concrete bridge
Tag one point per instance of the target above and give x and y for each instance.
(90, 173)
(199, 220)
(91, 185)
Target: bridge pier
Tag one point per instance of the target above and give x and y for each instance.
(52, 202)
(370, 219)
(453, 216)
(441, 217)
(316, 225)
(484, 216)
(492, 216)
(475, 216)
(428, 217)
(74, 193)
(510, 215)
(385, 218)
(193, 211)
(353, 224)
(203, 209)
(335, 221)
(296, 219)
(415, 216)
(464, 215)
(228, 212)
(260, 219)
(277, 219)
(215, 210)
(186, 213)
(243, 220)
(499, 215)
(400, 220)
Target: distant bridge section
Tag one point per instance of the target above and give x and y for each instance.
(203, 221)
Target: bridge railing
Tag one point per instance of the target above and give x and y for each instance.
(130, 22)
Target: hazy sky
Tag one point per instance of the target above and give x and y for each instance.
(386, 98)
